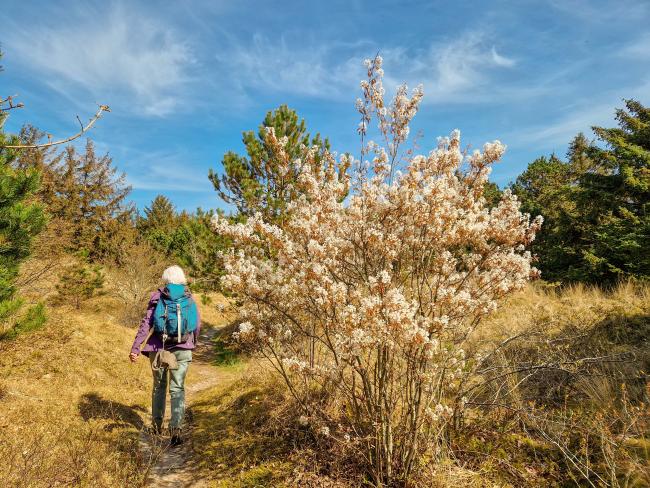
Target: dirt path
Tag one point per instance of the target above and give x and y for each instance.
(172, 466)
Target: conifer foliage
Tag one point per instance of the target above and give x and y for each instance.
(90, 197)
(258, 182)
(187, 238)
(79, 282)
(596, 204)
(614, 199)
(21, 219)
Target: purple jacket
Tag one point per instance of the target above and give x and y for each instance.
(154, 343)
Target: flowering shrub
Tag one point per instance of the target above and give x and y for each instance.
(365, 298)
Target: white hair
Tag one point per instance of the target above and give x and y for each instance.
(174, 275)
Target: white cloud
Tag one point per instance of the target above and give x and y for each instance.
(164, 170)
(456, 70)
(602, 11)
(459, 70)
(116, 55)
(286, 67)
(563, 129)
(580, 117)
(638, 49)
(501, 60)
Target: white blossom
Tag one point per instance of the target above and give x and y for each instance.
(378, 268)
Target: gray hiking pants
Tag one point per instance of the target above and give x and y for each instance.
(176, 390)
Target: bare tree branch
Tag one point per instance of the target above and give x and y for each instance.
(10, 101)
(102, 108)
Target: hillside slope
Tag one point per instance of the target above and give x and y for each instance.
(72, 407)
(71, 404)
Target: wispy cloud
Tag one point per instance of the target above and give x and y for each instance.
(283, 66)
(637, 49)
(501, 60)
(562, 130)
(115, 53)
(455, 70)
(580, 117)
(601, 11)
(163, 170)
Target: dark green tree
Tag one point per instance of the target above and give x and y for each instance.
(184, 238)
(252, 182)
(158, 223)
(492, 194)
(198, 249)
(161, 215)
(595, 204)
(547, 188)
(614, 199)
(21, 219)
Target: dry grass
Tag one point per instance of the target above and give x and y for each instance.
(552, 309)
(229, 436)
(575, 419)
(72, 405)
(246, 436)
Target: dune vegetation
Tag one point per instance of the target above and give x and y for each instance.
(396, 320)
(73, 407)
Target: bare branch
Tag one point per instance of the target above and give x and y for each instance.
(10, 100)
(102, 108)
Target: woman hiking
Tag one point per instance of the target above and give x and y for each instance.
(169, 331)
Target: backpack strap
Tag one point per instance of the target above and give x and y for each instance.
(153, 303)
(178, 320)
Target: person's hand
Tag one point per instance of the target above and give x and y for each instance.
(133, 357)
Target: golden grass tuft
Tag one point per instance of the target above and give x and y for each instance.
(72, 405)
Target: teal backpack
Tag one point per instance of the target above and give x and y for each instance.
(175, 315)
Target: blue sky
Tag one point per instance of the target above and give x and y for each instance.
(185, 78)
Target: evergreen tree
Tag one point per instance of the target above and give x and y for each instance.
(158, 223)
(614, 199)
(79, 282)
(547, 188)
(492, 194)
(45, 160)
(253, 183)
(187, 239)
(198, 249)
(21, 218)
(595, 205)
(90, 198)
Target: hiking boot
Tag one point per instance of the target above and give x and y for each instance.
(177, 439)
(155, 430)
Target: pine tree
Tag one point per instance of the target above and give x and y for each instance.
(159, 223)
(198, 249)
(79, 282)
(187, 239)
(547, 188)
(21, 218)
(90, 197)
(492, 194)
(253, 183)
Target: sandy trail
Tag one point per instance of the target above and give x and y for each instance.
(173, 466)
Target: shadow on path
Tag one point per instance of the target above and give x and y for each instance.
(93, 406)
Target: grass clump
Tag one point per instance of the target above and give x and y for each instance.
(232, 437)
(71, 405)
